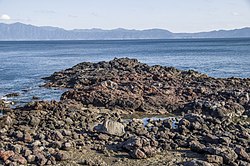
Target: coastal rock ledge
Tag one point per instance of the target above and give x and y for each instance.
(133, 86)
(99, 119)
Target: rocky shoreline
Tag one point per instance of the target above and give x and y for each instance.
(90, 126)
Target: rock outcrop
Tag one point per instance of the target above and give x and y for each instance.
(133, 86)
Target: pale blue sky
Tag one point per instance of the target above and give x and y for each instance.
(174, 15)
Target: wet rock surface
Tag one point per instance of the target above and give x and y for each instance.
(88, 126)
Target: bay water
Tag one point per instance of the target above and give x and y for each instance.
(24, 63)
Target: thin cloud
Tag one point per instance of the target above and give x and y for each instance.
(5, 17)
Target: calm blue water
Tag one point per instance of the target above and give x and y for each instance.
(24, 63)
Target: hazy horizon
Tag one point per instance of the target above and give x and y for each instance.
(179, 16)
(119, 28)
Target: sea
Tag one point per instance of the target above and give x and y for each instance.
(24, 63)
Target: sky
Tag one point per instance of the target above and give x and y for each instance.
(173, 15)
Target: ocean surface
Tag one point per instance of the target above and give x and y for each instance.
(24, 63)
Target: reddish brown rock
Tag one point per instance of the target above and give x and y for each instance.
(5, 155)
(19, 159)
(133, 86)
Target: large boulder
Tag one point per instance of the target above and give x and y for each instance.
(111, 127)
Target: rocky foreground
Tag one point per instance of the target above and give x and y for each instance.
(93, 122)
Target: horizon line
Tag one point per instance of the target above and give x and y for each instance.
(156, 28)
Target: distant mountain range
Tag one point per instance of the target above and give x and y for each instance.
(19, 31)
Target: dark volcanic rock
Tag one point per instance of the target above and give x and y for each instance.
(13, 94)
(62, 156)
(128, 84)
(140, 147)
(210, 128)
(197, 147)
(242, 153)
(67, 125)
